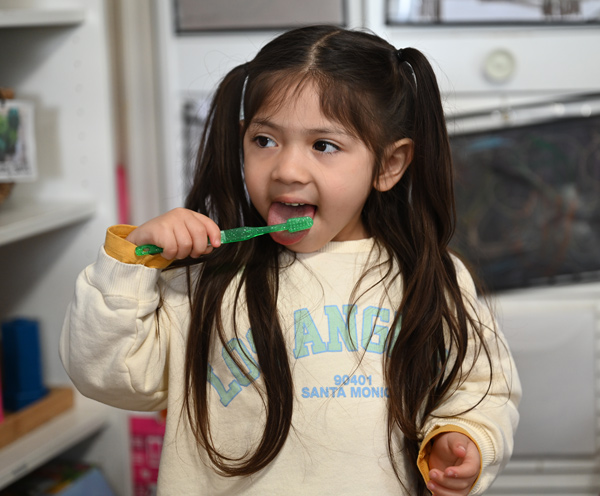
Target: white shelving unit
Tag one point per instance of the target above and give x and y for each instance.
(50, 440)
(16, 17)
(20, 220)
(57, 56)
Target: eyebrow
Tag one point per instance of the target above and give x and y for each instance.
(257, 122)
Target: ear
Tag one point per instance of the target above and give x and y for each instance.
(396, 161)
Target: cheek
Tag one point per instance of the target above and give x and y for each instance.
(253, 184)
(249, 179)
(357, 186)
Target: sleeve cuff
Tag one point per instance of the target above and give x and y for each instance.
(423, 458)
(122, 250)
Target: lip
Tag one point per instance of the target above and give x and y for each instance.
(286, 238)
(292, 200)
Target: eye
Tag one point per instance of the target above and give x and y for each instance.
(264, 142)
(326, 147)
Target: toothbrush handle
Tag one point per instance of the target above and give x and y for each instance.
(228, 236)
(142, 250)
(245, 233)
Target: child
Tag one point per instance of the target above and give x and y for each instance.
(349, 358)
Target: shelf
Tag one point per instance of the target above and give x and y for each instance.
(21, 218)
(37, 16)
(50, 440)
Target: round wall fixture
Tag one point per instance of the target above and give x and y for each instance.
(499, 66)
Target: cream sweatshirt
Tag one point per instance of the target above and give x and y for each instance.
(116, 352)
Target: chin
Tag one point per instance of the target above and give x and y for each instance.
(305, 246)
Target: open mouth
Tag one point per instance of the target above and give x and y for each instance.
(280, 212)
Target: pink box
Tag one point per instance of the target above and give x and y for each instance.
(146, 437)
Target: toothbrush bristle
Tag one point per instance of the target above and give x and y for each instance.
(299, 224)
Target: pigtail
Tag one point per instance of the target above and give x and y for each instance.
(425, 362)
(219, 192)
(218, 163)
(432, 186)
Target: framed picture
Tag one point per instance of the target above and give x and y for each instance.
(426, 12)
(227, 15)
(17, 141)
(528, 193)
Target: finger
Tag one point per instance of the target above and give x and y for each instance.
(458, 450)
(199, 237)
(178, 244)
(468, 466)
(214, 233)
(143, 235)
(450, 483)
(439, 490)
(156, 231)
(201, 225)
(165, 238)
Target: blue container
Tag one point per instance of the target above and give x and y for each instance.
(21, 364)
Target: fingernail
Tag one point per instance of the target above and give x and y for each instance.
(451, 473)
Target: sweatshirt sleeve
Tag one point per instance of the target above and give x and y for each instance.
(118, 247)
(112, 345)
(491, 419)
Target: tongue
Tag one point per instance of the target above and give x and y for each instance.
(280, 212)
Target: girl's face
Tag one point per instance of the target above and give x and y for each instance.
(299, 163)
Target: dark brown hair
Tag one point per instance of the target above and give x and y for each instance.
(381, 98)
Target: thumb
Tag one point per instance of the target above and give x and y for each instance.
(459, 449)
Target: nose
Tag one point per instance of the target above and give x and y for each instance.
(292, 166)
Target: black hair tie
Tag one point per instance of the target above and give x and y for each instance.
(401, 58)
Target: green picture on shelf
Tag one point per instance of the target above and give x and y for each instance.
(17, 142)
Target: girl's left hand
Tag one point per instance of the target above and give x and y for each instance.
(454, 463)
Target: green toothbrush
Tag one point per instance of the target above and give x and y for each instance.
(242, 234)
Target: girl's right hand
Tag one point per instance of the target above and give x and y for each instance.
(180, 233)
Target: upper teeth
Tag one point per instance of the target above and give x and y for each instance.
(293, 204)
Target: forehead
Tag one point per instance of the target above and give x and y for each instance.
(290, 95)
(300, 98)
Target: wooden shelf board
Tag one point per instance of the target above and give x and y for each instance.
(50, 440)
(19, 423)
(21, 219)
(29, 17)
